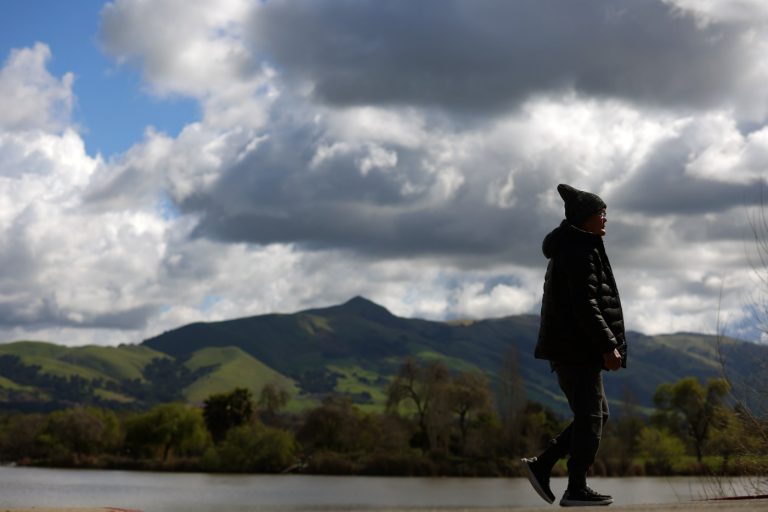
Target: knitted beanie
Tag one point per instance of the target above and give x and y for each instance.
(579, 205)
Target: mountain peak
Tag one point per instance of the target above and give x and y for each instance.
(359, 299)
(366, 308)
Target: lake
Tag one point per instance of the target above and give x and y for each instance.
(198, 492)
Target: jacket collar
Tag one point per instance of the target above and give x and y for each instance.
(580, 235)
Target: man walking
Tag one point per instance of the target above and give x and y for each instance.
(581, 334)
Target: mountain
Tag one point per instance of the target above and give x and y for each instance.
(352, 348)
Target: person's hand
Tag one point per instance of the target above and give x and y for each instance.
(612, 360)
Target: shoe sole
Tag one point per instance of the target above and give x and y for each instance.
(535, 482)
(577, 503)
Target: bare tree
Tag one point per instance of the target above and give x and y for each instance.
(749, 425)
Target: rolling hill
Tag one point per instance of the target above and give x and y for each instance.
(352, 348)
(233, 368)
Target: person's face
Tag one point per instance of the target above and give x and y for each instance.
(596, 223)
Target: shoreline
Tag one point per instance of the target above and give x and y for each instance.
(185, 466)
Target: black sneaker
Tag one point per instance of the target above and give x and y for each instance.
(585, 497)
(539, 481)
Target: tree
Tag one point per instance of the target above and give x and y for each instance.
(512, 399)
(750, 385)
(19, 438)
(253, 447)
(226, 410)
(539, 425)
(728, 438)
(620, 446)
(661, 448)
(80, 431)
(271, 399)
(166, 428)
(469, 397)
(426, 389)
(687, 407)
(338, 426)
(334, 426)
(628, 428)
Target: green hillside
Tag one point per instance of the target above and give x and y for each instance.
(354, 349)
(234, 368)
(37, 375)
(48, 356)
(90, 362)
(124, 362)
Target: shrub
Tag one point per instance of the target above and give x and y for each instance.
(252, 448)
(661, 448)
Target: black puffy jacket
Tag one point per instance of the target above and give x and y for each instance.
(581, 316)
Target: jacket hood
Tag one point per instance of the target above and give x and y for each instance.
(552, 242)
(564, 233)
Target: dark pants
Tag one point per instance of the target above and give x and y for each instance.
(583, 387)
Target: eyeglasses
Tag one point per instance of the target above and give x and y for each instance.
(602, 215)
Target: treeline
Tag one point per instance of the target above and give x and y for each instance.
(435, 423)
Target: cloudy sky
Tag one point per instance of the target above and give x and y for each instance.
(171, 161)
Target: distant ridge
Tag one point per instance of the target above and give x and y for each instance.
(352, 348)
(339, 344)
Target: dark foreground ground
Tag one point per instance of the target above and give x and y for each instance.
(692, 506)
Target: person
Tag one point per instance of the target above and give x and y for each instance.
(581, 333)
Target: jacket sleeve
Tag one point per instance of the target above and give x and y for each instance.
(583, 288)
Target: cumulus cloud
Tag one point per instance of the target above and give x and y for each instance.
(199, 52)
(63, 267)
(436, 135)
(407, 152)
(92, 254)
(684, 176)
(30, 98)
(442, 192)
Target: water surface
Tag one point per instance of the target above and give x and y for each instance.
(199, 492)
